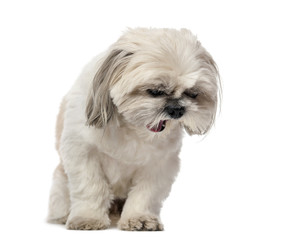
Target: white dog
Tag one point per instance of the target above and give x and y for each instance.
(119, 130)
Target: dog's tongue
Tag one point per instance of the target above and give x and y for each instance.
(158, 127)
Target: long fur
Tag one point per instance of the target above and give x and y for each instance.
(100, 108)
(112, 161)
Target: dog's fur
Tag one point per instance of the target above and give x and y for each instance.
(116, 157)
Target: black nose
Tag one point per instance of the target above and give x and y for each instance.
(175, 111)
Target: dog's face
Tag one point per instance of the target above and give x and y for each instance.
(156, 80)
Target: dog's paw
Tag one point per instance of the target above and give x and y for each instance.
(61, 220)
(142, 223)
(80, 223)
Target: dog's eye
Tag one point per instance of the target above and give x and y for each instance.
(192, 95)
(155, 92)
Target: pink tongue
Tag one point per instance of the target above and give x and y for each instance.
(158, 127)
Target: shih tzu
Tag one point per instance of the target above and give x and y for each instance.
(120, 127)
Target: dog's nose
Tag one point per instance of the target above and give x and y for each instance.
(175, 111)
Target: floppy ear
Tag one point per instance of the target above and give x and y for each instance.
(209, 99)
(100, 108)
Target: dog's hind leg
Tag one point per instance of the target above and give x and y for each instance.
(59, 201)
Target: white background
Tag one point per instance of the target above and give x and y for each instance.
(234, 184)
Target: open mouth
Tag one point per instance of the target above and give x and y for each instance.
(158, 127)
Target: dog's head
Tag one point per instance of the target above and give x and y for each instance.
(154, 80)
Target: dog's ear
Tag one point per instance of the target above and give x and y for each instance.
(100, 108)
(209, 101)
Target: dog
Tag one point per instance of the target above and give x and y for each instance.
(120, 128)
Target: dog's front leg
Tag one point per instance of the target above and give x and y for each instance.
(151, 185)
(88, 188)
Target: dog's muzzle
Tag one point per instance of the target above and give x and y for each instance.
(175, 112)
(174, 109)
